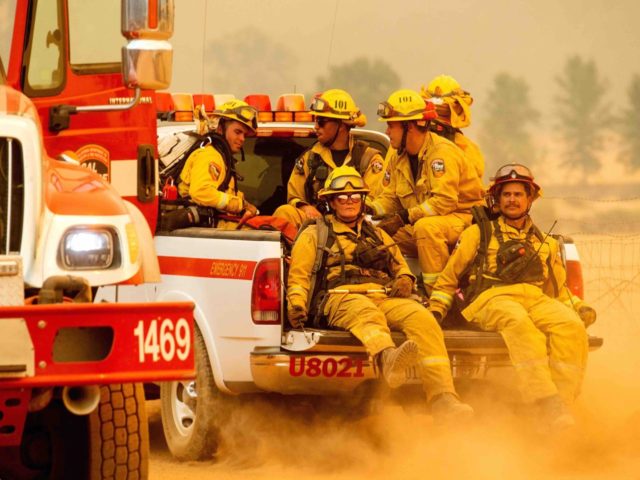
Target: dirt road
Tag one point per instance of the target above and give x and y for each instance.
(501, 442)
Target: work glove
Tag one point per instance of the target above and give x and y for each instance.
(391, 223)
(249, 211)
(402, 287)
(437, 315)
(297, 316)
(587, 314)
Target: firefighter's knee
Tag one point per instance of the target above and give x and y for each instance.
(427, 229)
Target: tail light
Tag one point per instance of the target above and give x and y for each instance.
(266, 293)
(574, 278)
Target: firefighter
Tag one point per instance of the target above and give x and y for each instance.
(453, 107)
(360, 261)
(516, 286)
(335, 115)
(209, 177)
(429, 187)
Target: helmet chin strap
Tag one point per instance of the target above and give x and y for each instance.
(335, 136)
(403, 142)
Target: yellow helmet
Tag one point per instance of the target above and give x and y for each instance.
(240, 112)
(343, 179)
(451, 101)
(442, 85)
(404, 105)
(336, 103)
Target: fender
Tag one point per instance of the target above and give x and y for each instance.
(200, 320)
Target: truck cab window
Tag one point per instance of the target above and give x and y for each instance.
(45, 54)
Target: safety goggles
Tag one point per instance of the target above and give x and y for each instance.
(322, 121)
(340, 183)
(245, 113)
(343, 198)
(514, 170)
(386, 110)
(320, 105)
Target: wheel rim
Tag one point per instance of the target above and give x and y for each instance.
(183, 405)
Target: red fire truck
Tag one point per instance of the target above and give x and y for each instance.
(71, 397)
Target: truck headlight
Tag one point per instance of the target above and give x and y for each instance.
(87, 248)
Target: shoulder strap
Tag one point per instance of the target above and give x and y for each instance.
(554, 281)
(358, 159)
(324, 233)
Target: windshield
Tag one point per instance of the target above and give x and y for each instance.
(7, 13)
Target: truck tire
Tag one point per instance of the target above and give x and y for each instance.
(193, 411)
(110, 443)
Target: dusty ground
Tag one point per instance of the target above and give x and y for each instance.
(500, 443)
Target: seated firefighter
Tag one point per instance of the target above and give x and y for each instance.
(429, 186)
(363, 285)
(209, 178)
(516, 286)
(335, 115)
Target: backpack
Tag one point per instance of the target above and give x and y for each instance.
(174, 151)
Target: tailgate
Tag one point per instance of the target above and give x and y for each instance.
(76, 344)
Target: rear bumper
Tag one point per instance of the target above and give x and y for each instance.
(326, 362)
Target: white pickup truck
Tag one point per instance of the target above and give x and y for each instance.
(243, 342)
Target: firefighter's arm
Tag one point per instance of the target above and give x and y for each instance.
(374, 173)
(584, 310)
(387, 201)
(207, 173)
(445, 287)
(398, 263)
(297, 179)
(443, 171)
(303, 257)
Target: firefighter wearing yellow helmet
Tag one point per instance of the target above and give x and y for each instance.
(453, 106)
(208, 177)
(335, 115)
(429, 185)
(517, 287)
(364, 286)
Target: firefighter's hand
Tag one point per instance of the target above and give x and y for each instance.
(297, 316)
(437, 315)
(310, 211)
(249, 211)
(587, 314)
(391, 224)
(402, 287)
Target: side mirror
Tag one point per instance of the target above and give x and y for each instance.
(148, 57)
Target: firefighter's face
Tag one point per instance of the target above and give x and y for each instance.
(514, 201)
(326, 129)
(347, 206)
(235, 134)
(394, 131)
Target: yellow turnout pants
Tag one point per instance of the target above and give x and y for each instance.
(430, 238)
(547, 341)
(370, 319)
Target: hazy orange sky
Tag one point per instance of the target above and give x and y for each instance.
(471, 40)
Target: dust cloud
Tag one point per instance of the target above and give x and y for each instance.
(270, 439)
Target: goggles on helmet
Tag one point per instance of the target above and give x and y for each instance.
(514, 171)
(320, 105)
(386, 110)
(340, 183)
(245, 113)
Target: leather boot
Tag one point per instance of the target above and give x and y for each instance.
(393, 362)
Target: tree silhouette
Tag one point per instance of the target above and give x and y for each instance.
(249, 61)
(368, 81)
(581, 114)
(630, 127)
(504, 135)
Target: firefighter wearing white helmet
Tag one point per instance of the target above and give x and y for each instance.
(453, 106)
(209, 178)
(358, 261)
(429, 187)
(517, 287)
(335, 115)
